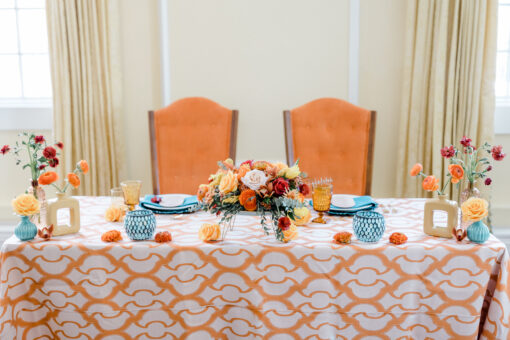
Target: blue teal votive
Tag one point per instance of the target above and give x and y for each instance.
(140, 224)
(368, 226)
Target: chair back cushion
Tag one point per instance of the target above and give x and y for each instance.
(331, 139)
(191, 136)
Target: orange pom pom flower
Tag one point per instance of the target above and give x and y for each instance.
(47, 178)
(73, 179)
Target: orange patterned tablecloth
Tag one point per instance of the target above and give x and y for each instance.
(251, 286)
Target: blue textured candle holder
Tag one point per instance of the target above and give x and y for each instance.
(140, 224)
(478, 232)
(368, 226)
(25, 230)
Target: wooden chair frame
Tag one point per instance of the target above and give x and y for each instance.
(154, 155)
(289, 146)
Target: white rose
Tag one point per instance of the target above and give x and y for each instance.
(254, 179)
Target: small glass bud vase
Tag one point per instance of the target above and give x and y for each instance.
(478, 232)
(440, 204)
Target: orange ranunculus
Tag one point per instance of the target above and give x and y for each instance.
(228, 183)
(47, 178)
(243, 169)
(430, 183)
(474, 209)
(248, 200)
(202, 190)
(416, 169)
(83, 166)
(73, 179)
(456, 171)
(209, 232)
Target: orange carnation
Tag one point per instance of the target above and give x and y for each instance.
(398, 238)
(416, 169)
(248, 200)
(343, 237)
(73, 179)
(111, 236)
(430, 183)
(83, 166)
(456, 171)
(47, 178)
(163, 236)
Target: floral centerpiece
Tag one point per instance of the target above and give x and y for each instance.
(273, 191)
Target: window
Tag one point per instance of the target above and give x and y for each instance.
(25, 83)
(502, 118)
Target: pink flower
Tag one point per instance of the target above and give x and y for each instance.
(250, 163)
(448, 152)
(489, 168)
(497, 153)
(53, 162)
(60, 145)
(49, 152)
(465, 141)
(42, 166)
(39, 139)
(488, 181)
(5, 149)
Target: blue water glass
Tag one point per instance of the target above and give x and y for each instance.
(369, 226)
(140, 224)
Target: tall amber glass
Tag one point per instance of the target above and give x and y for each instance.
(131, 191)
(321, 196)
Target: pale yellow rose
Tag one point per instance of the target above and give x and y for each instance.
(290, 234)
(228, 183)
(26, 205)
(209, 232)
(215, 179)
(302, 216)
(292, 172)
(115, 213)
(474, 209)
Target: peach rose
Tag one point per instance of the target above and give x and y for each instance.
(209, 232)
(73, 179)
(254, 179)
(302, 216)
(228, 183)
(243, 170)
(280, 166)
(457, 172)
(290, 234)
(47, 178)
(430, 183)
(83, 166)
(26, 205)
(474, 209)
(416, 169)
(115, 213)
(248, 200)
(202, 190)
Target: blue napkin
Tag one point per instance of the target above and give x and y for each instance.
(189, 205)
(362, 203)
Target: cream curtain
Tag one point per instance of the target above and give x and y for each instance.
(86, 89)
(448, 88)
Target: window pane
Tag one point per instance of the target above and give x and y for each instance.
(6, 3)
(8, 37)
(10, 86)
(504, 28)
(32, 26)
(30, 3)
(502, 76)
(36, 76)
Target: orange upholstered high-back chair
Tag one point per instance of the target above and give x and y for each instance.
(332, 138)
(188, 138)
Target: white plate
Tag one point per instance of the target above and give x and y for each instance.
(172, 200)
(343, 201)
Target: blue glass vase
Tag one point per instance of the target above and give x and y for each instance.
(478, 232)
(25, 230)
(368, 226)
(140, 224)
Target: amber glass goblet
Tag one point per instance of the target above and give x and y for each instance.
(131, 190)
(321, 196)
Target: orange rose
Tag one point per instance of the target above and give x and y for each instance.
(456, 171)
(430, 183)
(73, 179)
(83, 166)
(248, 200)
(243, 169)
(47, 178)
(290, 234)
(228, 183)
(202, 190)
(416, 169)
(209, 232)
(474, 209)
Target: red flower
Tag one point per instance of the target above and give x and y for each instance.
(60, 145)
(53, 162)
(489, 168)
(49, 152)
(5, 149)
(284, 223)
(465, 141)
(497, 153)
(156, 199)
(304, 189)
(39, 139)
(488, 181)
(280, 186)
(250, 163)
(448, 152)
(42, 166)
